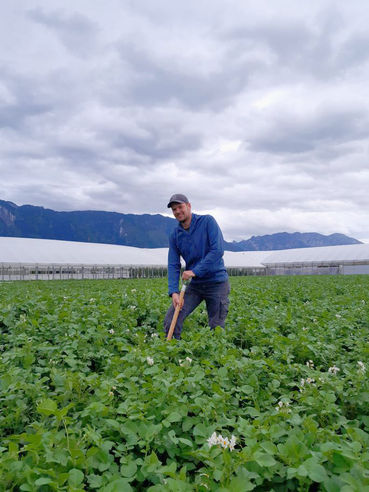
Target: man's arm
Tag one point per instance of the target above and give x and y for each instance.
(206, 265)
(174, 266)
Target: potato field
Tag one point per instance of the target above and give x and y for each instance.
(94, 398)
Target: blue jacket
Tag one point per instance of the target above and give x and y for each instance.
(201, 247)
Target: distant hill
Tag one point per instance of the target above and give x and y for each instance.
(285, 240)
(142, 231)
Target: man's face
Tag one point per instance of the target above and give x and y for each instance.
(181, 211)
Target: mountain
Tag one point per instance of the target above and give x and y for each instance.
(142, 231)
(285, 240)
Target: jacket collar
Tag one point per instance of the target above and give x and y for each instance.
(194, 219)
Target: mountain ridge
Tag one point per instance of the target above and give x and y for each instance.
(142, 231)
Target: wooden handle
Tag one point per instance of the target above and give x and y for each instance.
(176, 312)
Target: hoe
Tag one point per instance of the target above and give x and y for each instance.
(178, 308)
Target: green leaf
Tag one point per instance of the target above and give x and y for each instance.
(43, 481)
(242, 482)
(316, 472)
(188, 422)
(128, 470)
(174, 417)
(264, 459)
(75, 477)
(269, 447)
(333, 484)
(217, 474)
(172, 436)
(95, 481)
(47, 407)
(118, 485)
(201, 430)
(187, 442)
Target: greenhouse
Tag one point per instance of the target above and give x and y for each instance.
(327, 260)
(45, 259)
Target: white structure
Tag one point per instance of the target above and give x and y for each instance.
(22, 258)
(348, 259)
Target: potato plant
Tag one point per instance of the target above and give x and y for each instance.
(92, 396)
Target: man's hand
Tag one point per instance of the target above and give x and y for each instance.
(175, 300)
(187, 274)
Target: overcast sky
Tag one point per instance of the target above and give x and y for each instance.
(258, 111)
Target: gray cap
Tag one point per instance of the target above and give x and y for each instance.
(177, 198)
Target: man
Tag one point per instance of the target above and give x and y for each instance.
(199, 241)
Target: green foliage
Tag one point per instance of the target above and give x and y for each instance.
(83, 406)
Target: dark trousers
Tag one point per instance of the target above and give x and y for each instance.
(215, 296)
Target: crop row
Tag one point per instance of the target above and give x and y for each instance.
(93, 397)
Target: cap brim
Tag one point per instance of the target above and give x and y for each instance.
(171, 203)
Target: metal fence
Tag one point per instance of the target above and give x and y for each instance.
(344, 267)
(245, 271)
(72, 271)
(22, 271)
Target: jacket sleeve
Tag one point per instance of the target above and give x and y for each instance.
(174, 265)
(211, 260)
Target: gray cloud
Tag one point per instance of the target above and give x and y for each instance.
(77, 33)
(289, 133)
(257, 111)
(162, 81)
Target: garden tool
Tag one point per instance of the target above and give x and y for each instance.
(178, 308)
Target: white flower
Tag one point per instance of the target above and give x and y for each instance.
(362, 367)
(303, 383)
(154, 335)
(223, 441)
(133, 290)
(219, 440)
(183, 362)
(310, 364)
(213, 440)
(112, 331)
(333, 369)
(150, 361)
(232, 443)
(283, 406)
(132, 308)
(92, 299)
(338, 316)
